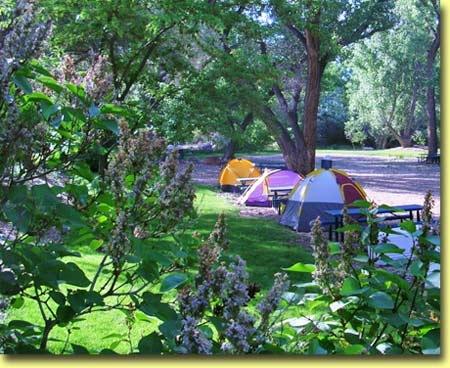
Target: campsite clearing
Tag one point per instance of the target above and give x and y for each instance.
(385, 180)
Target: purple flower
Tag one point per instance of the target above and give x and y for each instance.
(193, 340)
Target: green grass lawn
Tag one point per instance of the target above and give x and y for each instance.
(263, 243)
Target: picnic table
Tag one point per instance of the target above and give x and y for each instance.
(279, 195)
(395, 211)
(429, 159)
(270, 165)
(247, 181)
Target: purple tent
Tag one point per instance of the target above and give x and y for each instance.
(258, 194)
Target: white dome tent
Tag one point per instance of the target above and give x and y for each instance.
(320, 191)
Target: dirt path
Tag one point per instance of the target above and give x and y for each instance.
(385, 180)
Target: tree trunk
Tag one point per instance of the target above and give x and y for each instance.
(405, 141)
(229, 151)
(381, 141)
(432, 125)
(431, 103)
(312, 96)
(294, 153)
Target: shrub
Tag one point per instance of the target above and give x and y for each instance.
(374, 304)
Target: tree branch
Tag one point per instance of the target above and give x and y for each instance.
(297, 33)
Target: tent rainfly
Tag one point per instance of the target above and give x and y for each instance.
(235, 169)
(257, 195)
(321, 190)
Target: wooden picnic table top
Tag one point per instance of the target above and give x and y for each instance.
(248, 179)
(357, 211)
(281, 189)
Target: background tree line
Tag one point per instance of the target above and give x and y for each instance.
(296, 72)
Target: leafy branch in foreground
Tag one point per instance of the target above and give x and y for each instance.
(382, 302)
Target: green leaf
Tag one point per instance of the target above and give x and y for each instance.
(395, 319)
(173, 281)
(39, 68)
(64, 313)
(95, 244)
(361, 258)
(381, 300)
(356, 349)
(73, 275)
(434, 240)
(334, 248)
(152, 306)
(70, 214)
(49, 110)
(78, 91)
(44, 196)
(361, 204)
(316, 349)
(115, 344)
(51, 83)
(387, 348)
(38, 97)
(148, 270)
(339, 304)
(23, 83)
(306, 285)
(17, 303)
(150, 344)
(170, 329)
(81, 299)
(387, 248)
(350, 286)
(114, 335)
(434, 279)
(18, 194)
(408, 226)
(107, 124)
(58, 297)
(19, 215)
(113, 109)
(141, 316)
(349, 227)
(396, 279)
(431, 342)
(417, 268)
(93, 111)
(82, 169)
(301, 267)
(79, 349)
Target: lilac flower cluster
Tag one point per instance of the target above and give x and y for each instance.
(224, 292)
(176, 192)
(324, 275)
(218, 236)
(138, 157)
(97, 80)
(19, 41)
(120, 243)
(236, 293)
(239, 332)
(350, 245)
(427, 227)
(193, 340)
(270, 303)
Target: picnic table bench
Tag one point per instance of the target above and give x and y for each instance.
(429, 159)
(401, 213)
